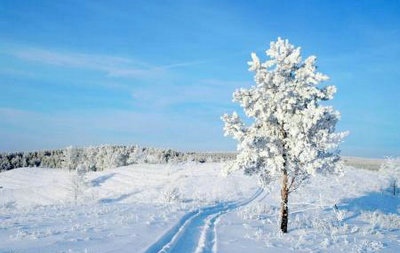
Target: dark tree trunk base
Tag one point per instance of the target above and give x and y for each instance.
(284, 203)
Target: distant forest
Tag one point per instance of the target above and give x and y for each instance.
(102, 157)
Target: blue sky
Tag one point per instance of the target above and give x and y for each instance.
(161, 73)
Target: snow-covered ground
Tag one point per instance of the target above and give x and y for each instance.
(192, 208)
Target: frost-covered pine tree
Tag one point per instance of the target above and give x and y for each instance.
(292, 135)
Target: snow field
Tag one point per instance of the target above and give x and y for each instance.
(366, 218)
(118, 210)
(140, 208)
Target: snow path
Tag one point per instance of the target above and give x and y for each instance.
(196, 231)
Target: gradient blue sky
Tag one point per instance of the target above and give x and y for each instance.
(161, 73)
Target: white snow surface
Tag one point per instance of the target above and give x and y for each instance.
(192, 207)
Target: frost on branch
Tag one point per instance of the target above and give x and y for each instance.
(291, 130)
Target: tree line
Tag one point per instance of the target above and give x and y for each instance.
(96, 158)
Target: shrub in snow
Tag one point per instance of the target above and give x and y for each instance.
(170, 195)
(369, 246)
(258, 211)
(292, 135)
(379, 220)
(391, 167)
(78, 182)
(340, 215)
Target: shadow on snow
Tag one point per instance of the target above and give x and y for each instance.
(383, 202)
(100, 180)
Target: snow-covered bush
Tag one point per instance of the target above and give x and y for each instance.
(292, 136)
(391, 167)
(368, 246)
(170, 195)
(379, 220)
(78, 183)
(258, 211)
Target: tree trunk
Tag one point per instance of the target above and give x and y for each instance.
(284, 186)
(284, 202)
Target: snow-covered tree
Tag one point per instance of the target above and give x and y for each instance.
(391, 167)
(71, 158)
(292, 135)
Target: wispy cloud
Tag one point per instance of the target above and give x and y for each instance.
(112, 66)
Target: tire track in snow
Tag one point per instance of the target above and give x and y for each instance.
(196, 231)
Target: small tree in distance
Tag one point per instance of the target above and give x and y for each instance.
(292, 136)
(391, 167)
